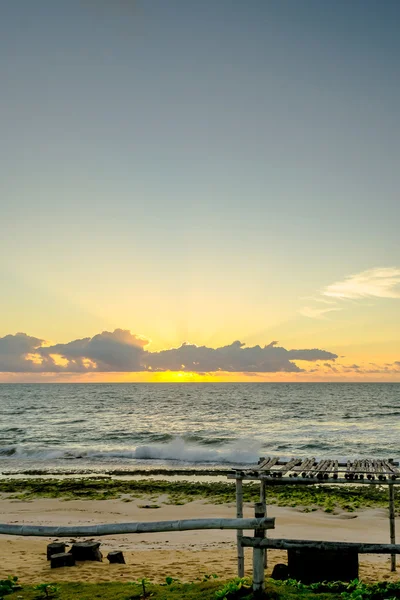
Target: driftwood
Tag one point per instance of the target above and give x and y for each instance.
(86, 551)
(63, 559)
(55, 548)
(278, 544)
(116, 528)
(116, 557)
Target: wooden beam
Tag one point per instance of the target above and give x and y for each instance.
(258, 554)
(117, 528)
(392, 524)
(263, 500)
(278, 544)
(311, 481)
(239, 533)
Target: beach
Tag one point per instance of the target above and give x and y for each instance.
(185, 555)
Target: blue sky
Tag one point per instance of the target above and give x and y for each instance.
(196, 170)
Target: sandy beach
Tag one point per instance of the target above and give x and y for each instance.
(185, 555)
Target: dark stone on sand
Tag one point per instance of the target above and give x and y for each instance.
(116, 557)
(280, 571)
(63, 559)
(55, 548)
(86, 551)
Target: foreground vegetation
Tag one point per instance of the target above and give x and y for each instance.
(310, 497)
(208, 589)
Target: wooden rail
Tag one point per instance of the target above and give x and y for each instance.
(309, 480)
(117, 528)
(280, 544)
(259, 524)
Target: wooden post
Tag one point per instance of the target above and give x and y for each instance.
(392, 525)
(258, 555)
(263, 500)
(239, 534)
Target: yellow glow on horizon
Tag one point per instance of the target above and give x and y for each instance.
(183, 377)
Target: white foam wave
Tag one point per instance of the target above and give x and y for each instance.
(240, 452)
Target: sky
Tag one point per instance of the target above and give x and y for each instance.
(199, 191)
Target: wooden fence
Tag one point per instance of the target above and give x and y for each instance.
(258, 524)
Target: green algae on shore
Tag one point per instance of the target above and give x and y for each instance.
(328, 498)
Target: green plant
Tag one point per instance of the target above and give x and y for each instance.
(240, 586)
(143, 582)
(353, 590)
(170, 580)
(9, 585)
(47, 589)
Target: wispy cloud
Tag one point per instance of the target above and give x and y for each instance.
(381, 282)
(374, 283)
(313, 312)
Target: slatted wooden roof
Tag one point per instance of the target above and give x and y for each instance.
(367, 470)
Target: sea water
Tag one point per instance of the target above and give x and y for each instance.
(103, 427)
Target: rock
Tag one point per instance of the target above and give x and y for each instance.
(63, 559)
(55, 548)
(116, 557)
(86, 551)
(280, 571)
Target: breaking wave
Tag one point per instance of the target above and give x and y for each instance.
(177, 450)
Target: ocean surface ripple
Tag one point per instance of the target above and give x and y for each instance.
(98, 427)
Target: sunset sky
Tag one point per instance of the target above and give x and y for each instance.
(179, 176)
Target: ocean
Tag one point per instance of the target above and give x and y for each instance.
(101, 428)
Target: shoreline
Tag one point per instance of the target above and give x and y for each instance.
(137, 472)
(184, 489)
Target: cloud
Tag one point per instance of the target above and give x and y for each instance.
(315, 312)
(233, 358)
(374, 283)
(17, 351)
(122, 351)
(381, 282)
(117, 351)
(310, 355)
(365, 369)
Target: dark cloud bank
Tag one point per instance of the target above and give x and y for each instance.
(122, 351)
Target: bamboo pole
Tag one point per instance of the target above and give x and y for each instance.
(258, 554)
(117, 528)
(263, 501)
(392, 524)
(239, 533)
(279, 544)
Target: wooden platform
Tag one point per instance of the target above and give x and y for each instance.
(368, 470)
(309, 471)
